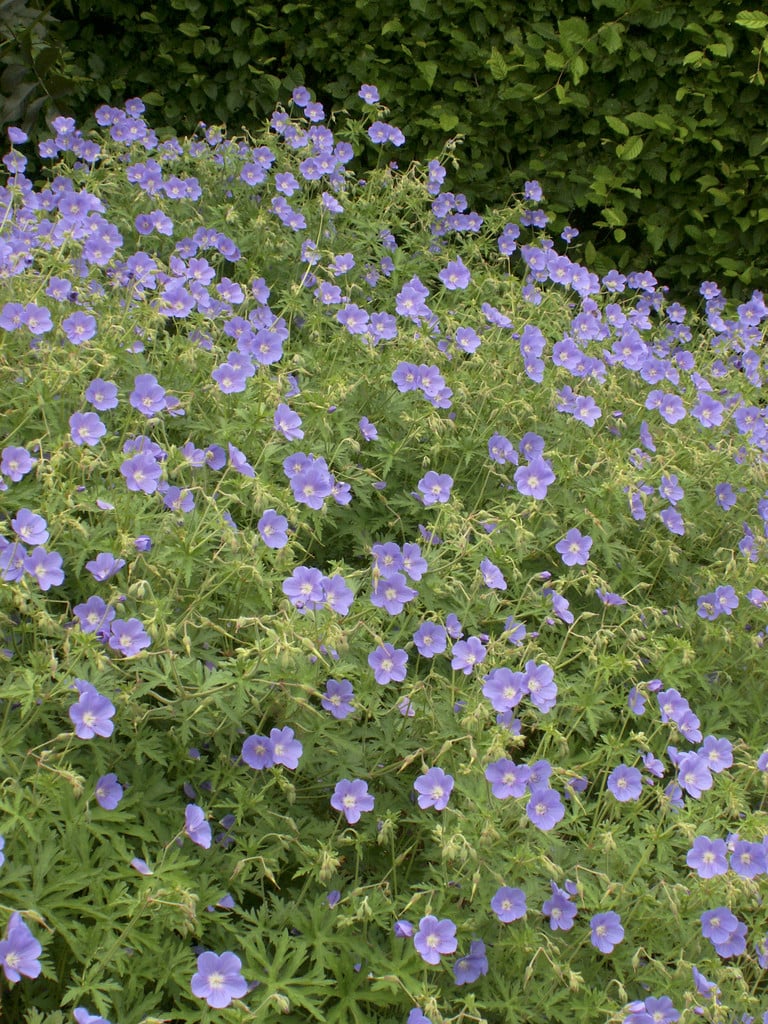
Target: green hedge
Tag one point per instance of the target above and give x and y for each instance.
(644, 121)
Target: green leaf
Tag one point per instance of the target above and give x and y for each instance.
(609, 36)
(642, 120)
(617, 124)
(498, 65)
(614, 217)
(694, 57)
(755, 20)
(631, 149)
(448, 121)
(428, 69)
(553, 60)
(189, 28)
(574, 31)
(579, 68)
(394, 25)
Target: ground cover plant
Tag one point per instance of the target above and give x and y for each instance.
(381, 607)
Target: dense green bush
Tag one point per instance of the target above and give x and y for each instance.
(645, 121)
(379, 599)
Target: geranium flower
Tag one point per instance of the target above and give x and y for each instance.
(606, 931)
(352, 798)
(218, 979)
(196, 826)
(508, 904)
(434, 789)
(19, 950)
(92, 714)
(435, 938)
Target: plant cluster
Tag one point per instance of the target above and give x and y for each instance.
(381, 599)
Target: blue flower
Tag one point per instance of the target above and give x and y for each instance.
(470, 967)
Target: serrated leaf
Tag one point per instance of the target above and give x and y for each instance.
(631, 149)
(617, 124)
(609, 36)
(754, 20)
(693, 57)
(498, 65)
(554, 61)
(448, 121)
(642, 120)
(574, 31)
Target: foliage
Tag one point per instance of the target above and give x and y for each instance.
(371, 572)
(645, 122)
(32, 77)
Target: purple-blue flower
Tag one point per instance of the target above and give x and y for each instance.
(434, 789)
(574, 547)
(435, 487)
(466, 654)
(435, 938)
(625, 783)
(288, 423)
(430, 639)
(392, 593)
(104, 566)
(19, 950)
(707, 857)
(45, 567)
(286, 749)
(540, 685)
(545, 808)
(748, 859)
(102, 394)
(559, 909)
(606, 931)
(504, 688)
(273, 529)
(128, 636)
(693, 774)
(305, 589)
(108, 792)
(470, 967)
(82, 1016)
(257, 752)
(338, 698)
(147, 396)
(30, 527)
(218, 979)
(508, 904)
(534, 479)
(388, 664)
(196, 826)
(142, 473)
(16, 462)
(507, 778)
(492, 575)
(92, 714)
(95, 614)
(455, 275)
(86, 428)
(351, 798)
